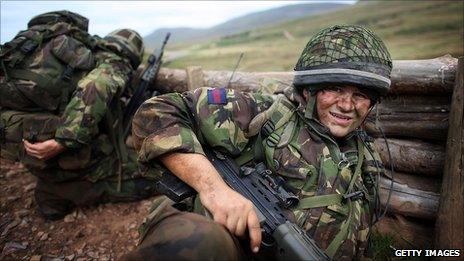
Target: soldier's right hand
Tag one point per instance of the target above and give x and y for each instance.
(228, 207)
(234, 211)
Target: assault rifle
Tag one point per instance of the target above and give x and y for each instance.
(269, 197)
(142, 91)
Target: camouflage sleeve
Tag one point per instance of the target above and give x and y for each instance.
(89, 102)
(182, 122)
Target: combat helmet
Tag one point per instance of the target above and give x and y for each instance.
(60, 16)
(344, 54)
(128, 43)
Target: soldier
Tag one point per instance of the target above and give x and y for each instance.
(61, 93)
(310, 135)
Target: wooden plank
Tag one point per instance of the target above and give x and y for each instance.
(450, 220)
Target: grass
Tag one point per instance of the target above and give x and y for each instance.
(380, 246)
(410, 29)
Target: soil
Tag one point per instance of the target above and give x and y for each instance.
(93, 233)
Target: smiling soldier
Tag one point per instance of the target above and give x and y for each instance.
(310, 136)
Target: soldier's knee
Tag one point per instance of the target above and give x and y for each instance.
(188, 236)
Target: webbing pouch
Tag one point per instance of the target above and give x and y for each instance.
(11, 133)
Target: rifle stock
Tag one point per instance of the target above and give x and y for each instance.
(289, 241)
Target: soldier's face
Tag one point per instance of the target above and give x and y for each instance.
(342, 109)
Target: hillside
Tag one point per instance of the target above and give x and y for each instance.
(410, 29)
(251, 21)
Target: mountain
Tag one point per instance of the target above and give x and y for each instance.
(239, 24)
(410, 30)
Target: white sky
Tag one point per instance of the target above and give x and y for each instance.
(143, 16)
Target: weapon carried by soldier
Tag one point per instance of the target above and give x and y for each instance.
(269, 197)
(142, 92)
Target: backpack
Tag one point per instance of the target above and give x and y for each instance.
(41, 66)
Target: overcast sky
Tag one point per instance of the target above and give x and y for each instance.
(143, 16)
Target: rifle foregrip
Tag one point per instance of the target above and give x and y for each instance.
(294, 244)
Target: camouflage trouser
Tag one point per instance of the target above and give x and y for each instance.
(55, 200)
(176, 235)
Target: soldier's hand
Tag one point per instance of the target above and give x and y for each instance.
(43, 150)
(235, 212)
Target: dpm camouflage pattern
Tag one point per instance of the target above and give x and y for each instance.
(81, 127)
(55, 200)
(195, 237)
(40, 67)
(310, 161)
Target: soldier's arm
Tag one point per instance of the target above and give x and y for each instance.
(90, 101)
(170, 128)
(182, 122)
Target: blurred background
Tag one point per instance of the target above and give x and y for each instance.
(271, 34)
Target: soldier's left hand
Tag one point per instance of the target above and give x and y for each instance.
(43, 150)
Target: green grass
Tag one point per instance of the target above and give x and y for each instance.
(380, 246)
(410, 29)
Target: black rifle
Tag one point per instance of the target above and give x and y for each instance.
(269, 197)
(140, 94)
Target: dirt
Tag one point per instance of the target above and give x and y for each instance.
(93, 233)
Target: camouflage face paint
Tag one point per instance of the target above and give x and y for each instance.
(342, 109)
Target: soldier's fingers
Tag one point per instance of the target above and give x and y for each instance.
(254, 230)
(232, 223)
(32, 147)
(241, 227)
(30, 150)
(26, 144)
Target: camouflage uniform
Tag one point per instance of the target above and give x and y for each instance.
(293, 143)
(90, 160)
(305, 154)
(96, 166)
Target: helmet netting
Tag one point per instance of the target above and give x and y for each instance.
(343, 44)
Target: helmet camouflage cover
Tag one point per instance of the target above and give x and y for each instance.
(344, 54)
(128, 43)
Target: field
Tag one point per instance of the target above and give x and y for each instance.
(410, 29)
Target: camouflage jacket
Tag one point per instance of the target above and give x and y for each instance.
(298, 148)
(92, 99)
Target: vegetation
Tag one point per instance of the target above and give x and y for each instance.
(410, 29)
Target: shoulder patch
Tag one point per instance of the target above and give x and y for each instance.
(217, 96)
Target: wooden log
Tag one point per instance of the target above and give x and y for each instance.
(450, 221)
(412, 125)
(409, 197)
(421, 117)
(428, 77)
(407, 233)
(409, 156)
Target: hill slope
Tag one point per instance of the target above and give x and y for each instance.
(410, 29)
(246, 22)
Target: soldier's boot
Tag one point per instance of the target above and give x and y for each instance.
(50, 205)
